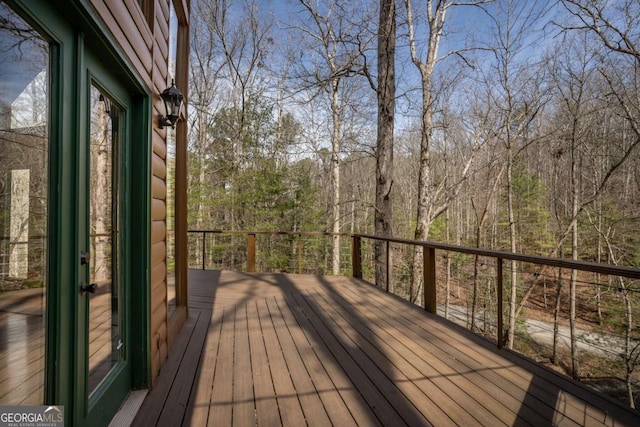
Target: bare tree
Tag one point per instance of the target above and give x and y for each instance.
(616, 26)
(433, 200)
(335, 52)
(384, 145)
(518, 99)
(617, 29)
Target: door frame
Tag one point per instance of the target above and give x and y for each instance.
(115, 386)
(72, 26)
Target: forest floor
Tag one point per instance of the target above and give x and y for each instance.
(541, 331)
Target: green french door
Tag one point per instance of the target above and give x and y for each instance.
(73, 117)
(104, 368)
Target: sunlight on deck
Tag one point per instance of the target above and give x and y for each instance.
(275, 349)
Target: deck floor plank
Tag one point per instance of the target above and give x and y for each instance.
(407, 381)
(178, 398)
(310, 401)
(154, 403)
(266, 404)
(288, 401)
(221, 404)
(375, 389)
(533, 394)
(334, 404)
(359, 409)
(434, 363)
(299, 350)
(511, 378)
(441, 398)
(243, 398)
(200, 399)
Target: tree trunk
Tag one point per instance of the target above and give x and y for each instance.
(335, 179)
(556, 318)
(512, 238)
(575, 190)
(424, 175)
(384, 146)
(628, 350)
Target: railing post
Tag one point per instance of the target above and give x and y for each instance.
(251, 253)
(386, 266)
(299, 253)
(500, 302)
(429, 273)
(204, 238)
(356, 257)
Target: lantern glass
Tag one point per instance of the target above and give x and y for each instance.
(173, 101)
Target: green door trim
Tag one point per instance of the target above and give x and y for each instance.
(55, 20)
(97, 408)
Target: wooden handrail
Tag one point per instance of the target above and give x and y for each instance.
(429, 263)
(251, 244)
(614, 270)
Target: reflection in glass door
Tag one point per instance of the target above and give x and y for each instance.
(24, 144)
(105, 339)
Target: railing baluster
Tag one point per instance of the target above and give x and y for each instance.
(204, 248)
(356, 257)
(299, 253)
(500, 302)
(251, 253)
(429, 273)
(386, 266)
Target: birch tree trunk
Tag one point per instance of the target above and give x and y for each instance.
(431, 202)
(512, 239)
(436, 19)
(335, 178)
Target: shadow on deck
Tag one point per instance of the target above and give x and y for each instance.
(276, 349)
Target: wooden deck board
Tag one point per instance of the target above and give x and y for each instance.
(453, 377)
(220, 411)
(440, 397)
(243, 398)
(302, 350)
(154, 403)
(267, 412)
(373, 394)
(200, 399)
(532, 398)
(288, 402)
(334, 404)
(357, 406)
(510, 378)
(308, 395)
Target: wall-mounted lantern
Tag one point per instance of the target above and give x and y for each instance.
(173, 101)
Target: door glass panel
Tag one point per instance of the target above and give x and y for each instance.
(105, 343)
(24, 114)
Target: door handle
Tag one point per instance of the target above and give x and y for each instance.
(92, 288)
(84, 258)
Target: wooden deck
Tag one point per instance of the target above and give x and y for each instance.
(273, 349)
(22, 344)
(22, 347)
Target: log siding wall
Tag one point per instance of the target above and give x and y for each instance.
(147, 49)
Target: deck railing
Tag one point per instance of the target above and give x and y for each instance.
(473, 287)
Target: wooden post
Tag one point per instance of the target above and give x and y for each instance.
(299, 253)
(356, 257)
(204, 238)
(429, 272)
(500, 302)
(251, 253)
(386, 266)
